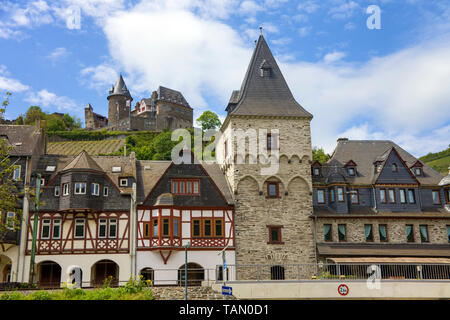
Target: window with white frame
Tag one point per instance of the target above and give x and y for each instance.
(66, 189)
(10, 220)
(105, 191)
(102, 225)
(95, 189)
(80, 187)
(45, 228)
(112, 228)
(16, 173)
(57, 191)
(56, 234)
(123, 182)
(79, 228)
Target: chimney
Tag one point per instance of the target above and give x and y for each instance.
(342, 140)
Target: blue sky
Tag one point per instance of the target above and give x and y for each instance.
(391, 83)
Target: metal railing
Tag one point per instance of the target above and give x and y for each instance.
(266, 272)
(296, 272)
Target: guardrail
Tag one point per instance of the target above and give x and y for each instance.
(263, 272)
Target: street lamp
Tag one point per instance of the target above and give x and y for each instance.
(186, 246)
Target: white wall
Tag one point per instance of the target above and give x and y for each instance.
(168, 273)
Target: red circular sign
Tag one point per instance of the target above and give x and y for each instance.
(343, 290)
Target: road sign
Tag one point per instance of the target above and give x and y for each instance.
(227, 291)
(224, 265)
(343, 289)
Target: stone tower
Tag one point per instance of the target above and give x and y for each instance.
(273, 224)
(119, 103)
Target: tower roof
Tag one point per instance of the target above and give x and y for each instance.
(120, 88)
(83, 161)
(264, 90)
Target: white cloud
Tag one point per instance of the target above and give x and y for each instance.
(10, 84)
(333, 56)
(304, 31)
(198, 56)
(404, 96)
(100, 77)
(344, 10)
(249, 7)
(50, 101)
(58, 53)
(309, 6)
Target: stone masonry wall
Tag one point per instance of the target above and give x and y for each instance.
(291, 211)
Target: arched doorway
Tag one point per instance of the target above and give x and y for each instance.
(5, 269)
(49, 275)
(276, 273)
(148, 274)
(105, 270)
(195, 274)
(6, 274)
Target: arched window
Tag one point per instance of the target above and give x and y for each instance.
(394, 167)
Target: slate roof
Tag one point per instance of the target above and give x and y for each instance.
(101, 163)
(268, 95)
(149, 172)
(120, 88)
(364, 153)
(23, 139)
(83, 161)
(170, 95)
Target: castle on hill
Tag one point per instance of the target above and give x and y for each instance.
(165, 109)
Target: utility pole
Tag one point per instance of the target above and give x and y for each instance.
(35, 226)
(186, 246)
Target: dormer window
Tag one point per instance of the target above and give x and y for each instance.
(351, 168)
(116, 169)
(123, 182)
(418, 171)
(265, 69)
(417, 168)
(316, 168)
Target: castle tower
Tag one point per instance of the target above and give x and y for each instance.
(119, 103)
(273, 224)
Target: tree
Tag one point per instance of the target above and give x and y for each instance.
(162, 145)
(320, 155)
(209, 120)
(34, 113)
(71, 123)
(55, 123)
(9, 194)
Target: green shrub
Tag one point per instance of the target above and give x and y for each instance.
(40, 295)
(12, 296)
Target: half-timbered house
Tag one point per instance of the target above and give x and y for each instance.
(26, 144)
(183, 207)
(84, 218)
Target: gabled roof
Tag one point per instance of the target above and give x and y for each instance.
(120, 88)
(170, 95)
(83, 161)
(366, 152)
(22, 139)
(268, 95)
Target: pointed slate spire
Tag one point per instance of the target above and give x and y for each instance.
(264, 90)
(83, 161)
(120, 88)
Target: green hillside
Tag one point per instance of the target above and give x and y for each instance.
(440, 161)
